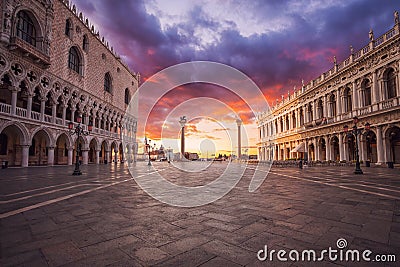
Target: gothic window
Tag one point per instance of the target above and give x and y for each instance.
(25, 28)
(127, 97)
(390, 81)
(68, 27)
(107, 82)
(347, 100)
(85, 43)
(3, 144)
(366, 92)
(74, 60)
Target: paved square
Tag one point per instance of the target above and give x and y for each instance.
(103, 218)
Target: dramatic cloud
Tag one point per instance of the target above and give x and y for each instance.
(276, 43)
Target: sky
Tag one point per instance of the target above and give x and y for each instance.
(277, 44)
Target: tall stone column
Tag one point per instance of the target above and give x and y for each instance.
(379, 145)
(355, 97)
(29, 106)
(70, 155)
(328, 149)
(50, 156)
(341, 148)
(42, 107)
(182, 123)
(53, 112)
(338, 103)
(25, 156)
(375, 89)
(85, 157)
(14, 95)
(64, 113)
(239, 124)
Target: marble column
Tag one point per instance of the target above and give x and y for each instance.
(341, 148)
(25, 156)
(53, 113)
(107, 156)
(29, 106)
(64, 114)
(115, 156)
(85, 156)
(355, 97)
(50, 156)
(328, 149)
(14, 95)
(379, 145)
(42, 107)
(70, 155)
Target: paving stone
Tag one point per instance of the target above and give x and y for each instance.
(62, 253)
(122, 226)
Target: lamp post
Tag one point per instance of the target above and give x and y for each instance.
(355, 132)
(78, 131)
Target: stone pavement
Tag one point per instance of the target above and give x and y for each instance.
(103, 218)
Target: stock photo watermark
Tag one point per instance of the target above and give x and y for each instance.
(336, 254)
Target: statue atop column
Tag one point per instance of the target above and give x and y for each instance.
(396, 17)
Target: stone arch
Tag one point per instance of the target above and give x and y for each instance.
(335, 149)
(390, 82)
(62, 145)
(104, 151)
(50, 139)
(14, 137)
(93, 148)
(38, 151)
(21, 129)
(392, 143)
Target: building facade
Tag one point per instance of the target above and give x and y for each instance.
(54, 68)
(309, 123)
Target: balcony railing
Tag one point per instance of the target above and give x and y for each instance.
(5, 108)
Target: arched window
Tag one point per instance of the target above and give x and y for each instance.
(301, 117)
(25, 28)
(293, 120)
(107, 82)
(366, 92)
(287, 122)
(68, 27)
(347, 100)
(332, 105)
(390, 82)
(74, 60)
(127, 96)
(85, 43)
(320, 109)
(310, 112)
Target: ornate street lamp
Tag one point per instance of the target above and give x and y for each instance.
(78, 131)
(355, 132)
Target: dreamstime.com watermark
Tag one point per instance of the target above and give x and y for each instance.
(329, 254)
